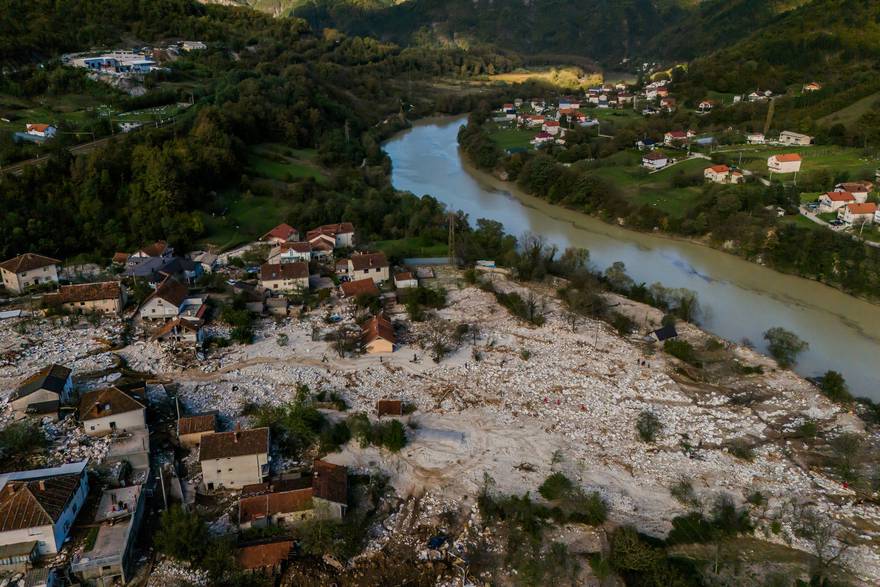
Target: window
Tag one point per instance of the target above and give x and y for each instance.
(219, 471)
(230, 469)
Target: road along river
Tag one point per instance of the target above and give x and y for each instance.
(740, 299)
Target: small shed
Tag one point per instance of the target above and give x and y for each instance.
(389, 407)
(665, 333)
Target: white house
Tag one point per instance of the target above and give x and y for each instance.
(285, 276)
(27, 270)
(542, 138)
(833, 201)
(551, 127)
(784, 163)
(788, 137)
(110, 410)
(405, 280)
(858, 213)
(372, 265)
(755, 138)
(291, 253)
(165, 302)
(655, 160)
(43, 392)
(342, 234)
(234, 459)
(39, 507)
(859, 189)
(675, 137)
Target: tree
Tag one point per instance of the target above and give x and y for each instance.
(784, 346)
(825, 538)
(834, 387)
(182, 535)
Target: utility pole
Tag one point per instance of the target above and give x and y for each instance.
(451, 244)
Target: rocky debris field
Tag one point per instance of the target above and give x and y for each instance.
(538, 400)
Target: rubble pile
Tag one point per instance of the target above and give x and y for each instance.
(70, 444)
(171, 573)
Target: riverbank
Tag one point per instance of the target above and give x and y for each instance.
(740, 299)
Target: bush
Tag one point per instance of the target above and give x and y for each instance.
(784, 346)
(555, 487)
(741, 449)
(622, 323)
(390, 435)
(683, 350)
(834, 387)
(648, 426)
(21, 438)
(683, 492)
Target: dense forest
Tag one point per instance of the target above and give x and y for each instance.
(272, 80)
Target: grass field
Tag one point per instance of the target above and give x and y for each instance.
(242, 219)
(655, 189)
(850, 114)
(512, 138)
(815, 158)
(802, 220)
(564, 77)
(274, 161)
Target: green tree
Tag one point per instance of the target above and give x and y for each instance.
(784, 346)
(181, 535)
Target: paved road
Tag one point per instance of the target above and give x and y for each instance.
(814, 218)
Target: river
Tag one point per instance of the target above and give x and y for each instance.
(740, 299)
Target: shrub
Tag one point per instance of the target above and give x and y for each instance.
(741, 449)
(648, 426)
(683, 350)
(555, 486)
(834, 387)
(622, 323)
(683, 491)
(784, 346)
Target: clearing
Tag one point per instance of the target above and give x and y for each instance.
(280, 163)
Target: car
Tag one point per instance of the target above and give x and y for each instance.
(836, 222)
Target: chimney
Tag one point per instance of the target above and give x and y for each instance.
(42, 484)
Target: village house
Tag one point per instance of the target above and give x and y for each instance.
(291, 253)
(276, 503)
(372, 265)
(654, 160)
(38, 508)
(342, 234)
(180, 331)
(755, 138)
(788, 137)
(859, 190)
(662, 92)
(858, 213)
(625, 98)
(377, 335)
(812, 87)
(532, 120)
(157, 249)
(833, 201)
(569, 102)
(285, 277)
(359, 287)
(234, 459)
(208, 261)
(107, 297)
(191, 429)
(265, 558)
(109, 560)
(283, 233)
(668, 104)
(43, 392)
(405, 280)
(542, 138)
(675, 137)
(110, 410)
(717, 173)
(166, 302)
(28, 270)
(43, 131)
(784, 163)
(551, 127)
(705, 105)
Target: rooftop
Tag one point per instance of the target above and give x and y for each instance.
(28, 262)
(234, 444)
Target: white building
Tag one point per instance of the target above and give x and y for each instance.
(788, 137)
(111, 410)
(858, 213)
(165, 302)
(370, 265)
(28, 270)
(234, 459)
(785, 163)
(39, 507)
(655, 160)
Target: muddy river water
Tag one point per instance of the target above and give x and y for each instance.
(740, 299)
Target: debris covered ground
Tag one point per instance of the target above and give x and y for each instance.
(538, 400)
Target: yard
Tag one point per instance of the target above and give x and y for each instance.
(512, 138)
(280, 163)
(657, 189)
(238, 219)
(412, 247)
(835, 159)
